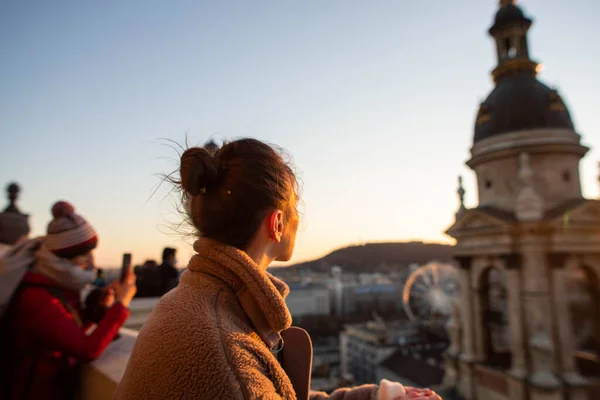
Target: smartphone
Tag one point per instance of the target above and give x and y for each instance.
(125, 268)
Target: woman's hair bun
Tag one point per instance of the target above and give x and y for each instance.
(62, 209)
(198, 170)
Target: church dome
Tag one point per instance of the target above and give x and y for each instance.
(520, 102)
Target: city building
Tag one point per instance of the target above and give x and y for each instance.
(307, 299)
(364, 346)
(364, 293)
(379, 297)
(532, 241)
(336, 288)
(325, 364)
(416, 365)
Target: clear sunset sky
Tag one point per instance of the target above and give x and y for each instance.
(375, 101)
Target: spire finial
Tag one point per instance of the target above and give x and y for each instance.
(211, 147)
(507, 2)
(461, 197)
(12, 191)
(461, 192)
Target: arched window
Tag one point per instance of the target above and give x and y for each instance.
(511, 51)
(523, 46)
(583, 294)
(495, 318)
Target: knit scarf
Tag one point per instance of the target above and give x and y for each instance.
(62, 271)
(267, 291)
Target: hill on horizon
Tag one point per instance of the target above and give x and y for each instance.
(370, 256)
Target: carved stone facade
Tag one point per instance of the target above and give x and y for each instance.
(517, 251)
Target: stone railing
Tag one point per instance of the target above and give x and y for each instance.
(100, 378)
(139, 310)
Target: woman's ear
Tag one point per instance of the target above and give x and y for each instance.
(276, 226)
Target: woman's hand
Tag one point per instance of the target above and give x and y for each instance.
(124, 291)
(418, 394)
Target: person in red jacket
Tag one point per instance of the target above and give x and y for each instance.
(48, 337)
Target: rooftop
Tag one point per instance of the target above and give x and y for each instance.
(417, 369)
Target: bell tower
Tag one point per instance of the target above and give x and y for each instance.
(510, 31)
(530, 245)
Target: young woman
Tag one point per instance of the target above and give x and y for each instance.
(47, 334)
(222, 333)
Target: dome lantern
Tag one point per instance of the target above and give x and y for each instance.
(519, 101)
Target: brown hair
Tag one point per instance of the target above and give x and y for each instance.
(227, 195)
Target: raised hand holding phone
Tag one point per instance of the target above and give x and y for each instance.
(125, 266)
(125, 287)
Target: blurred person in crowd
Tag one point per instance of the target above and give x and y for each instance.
(168, 273)
(46, 324)
(100, 281)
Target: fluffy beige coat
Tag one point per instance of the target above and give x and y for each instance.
(216, 336)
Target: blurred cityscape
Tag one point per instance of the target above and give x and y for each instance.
(376, 320)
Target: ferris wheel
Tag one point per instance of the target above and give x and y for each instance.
(429, 293)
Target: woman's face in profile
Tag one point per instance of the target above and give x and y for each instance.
(288, 240)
